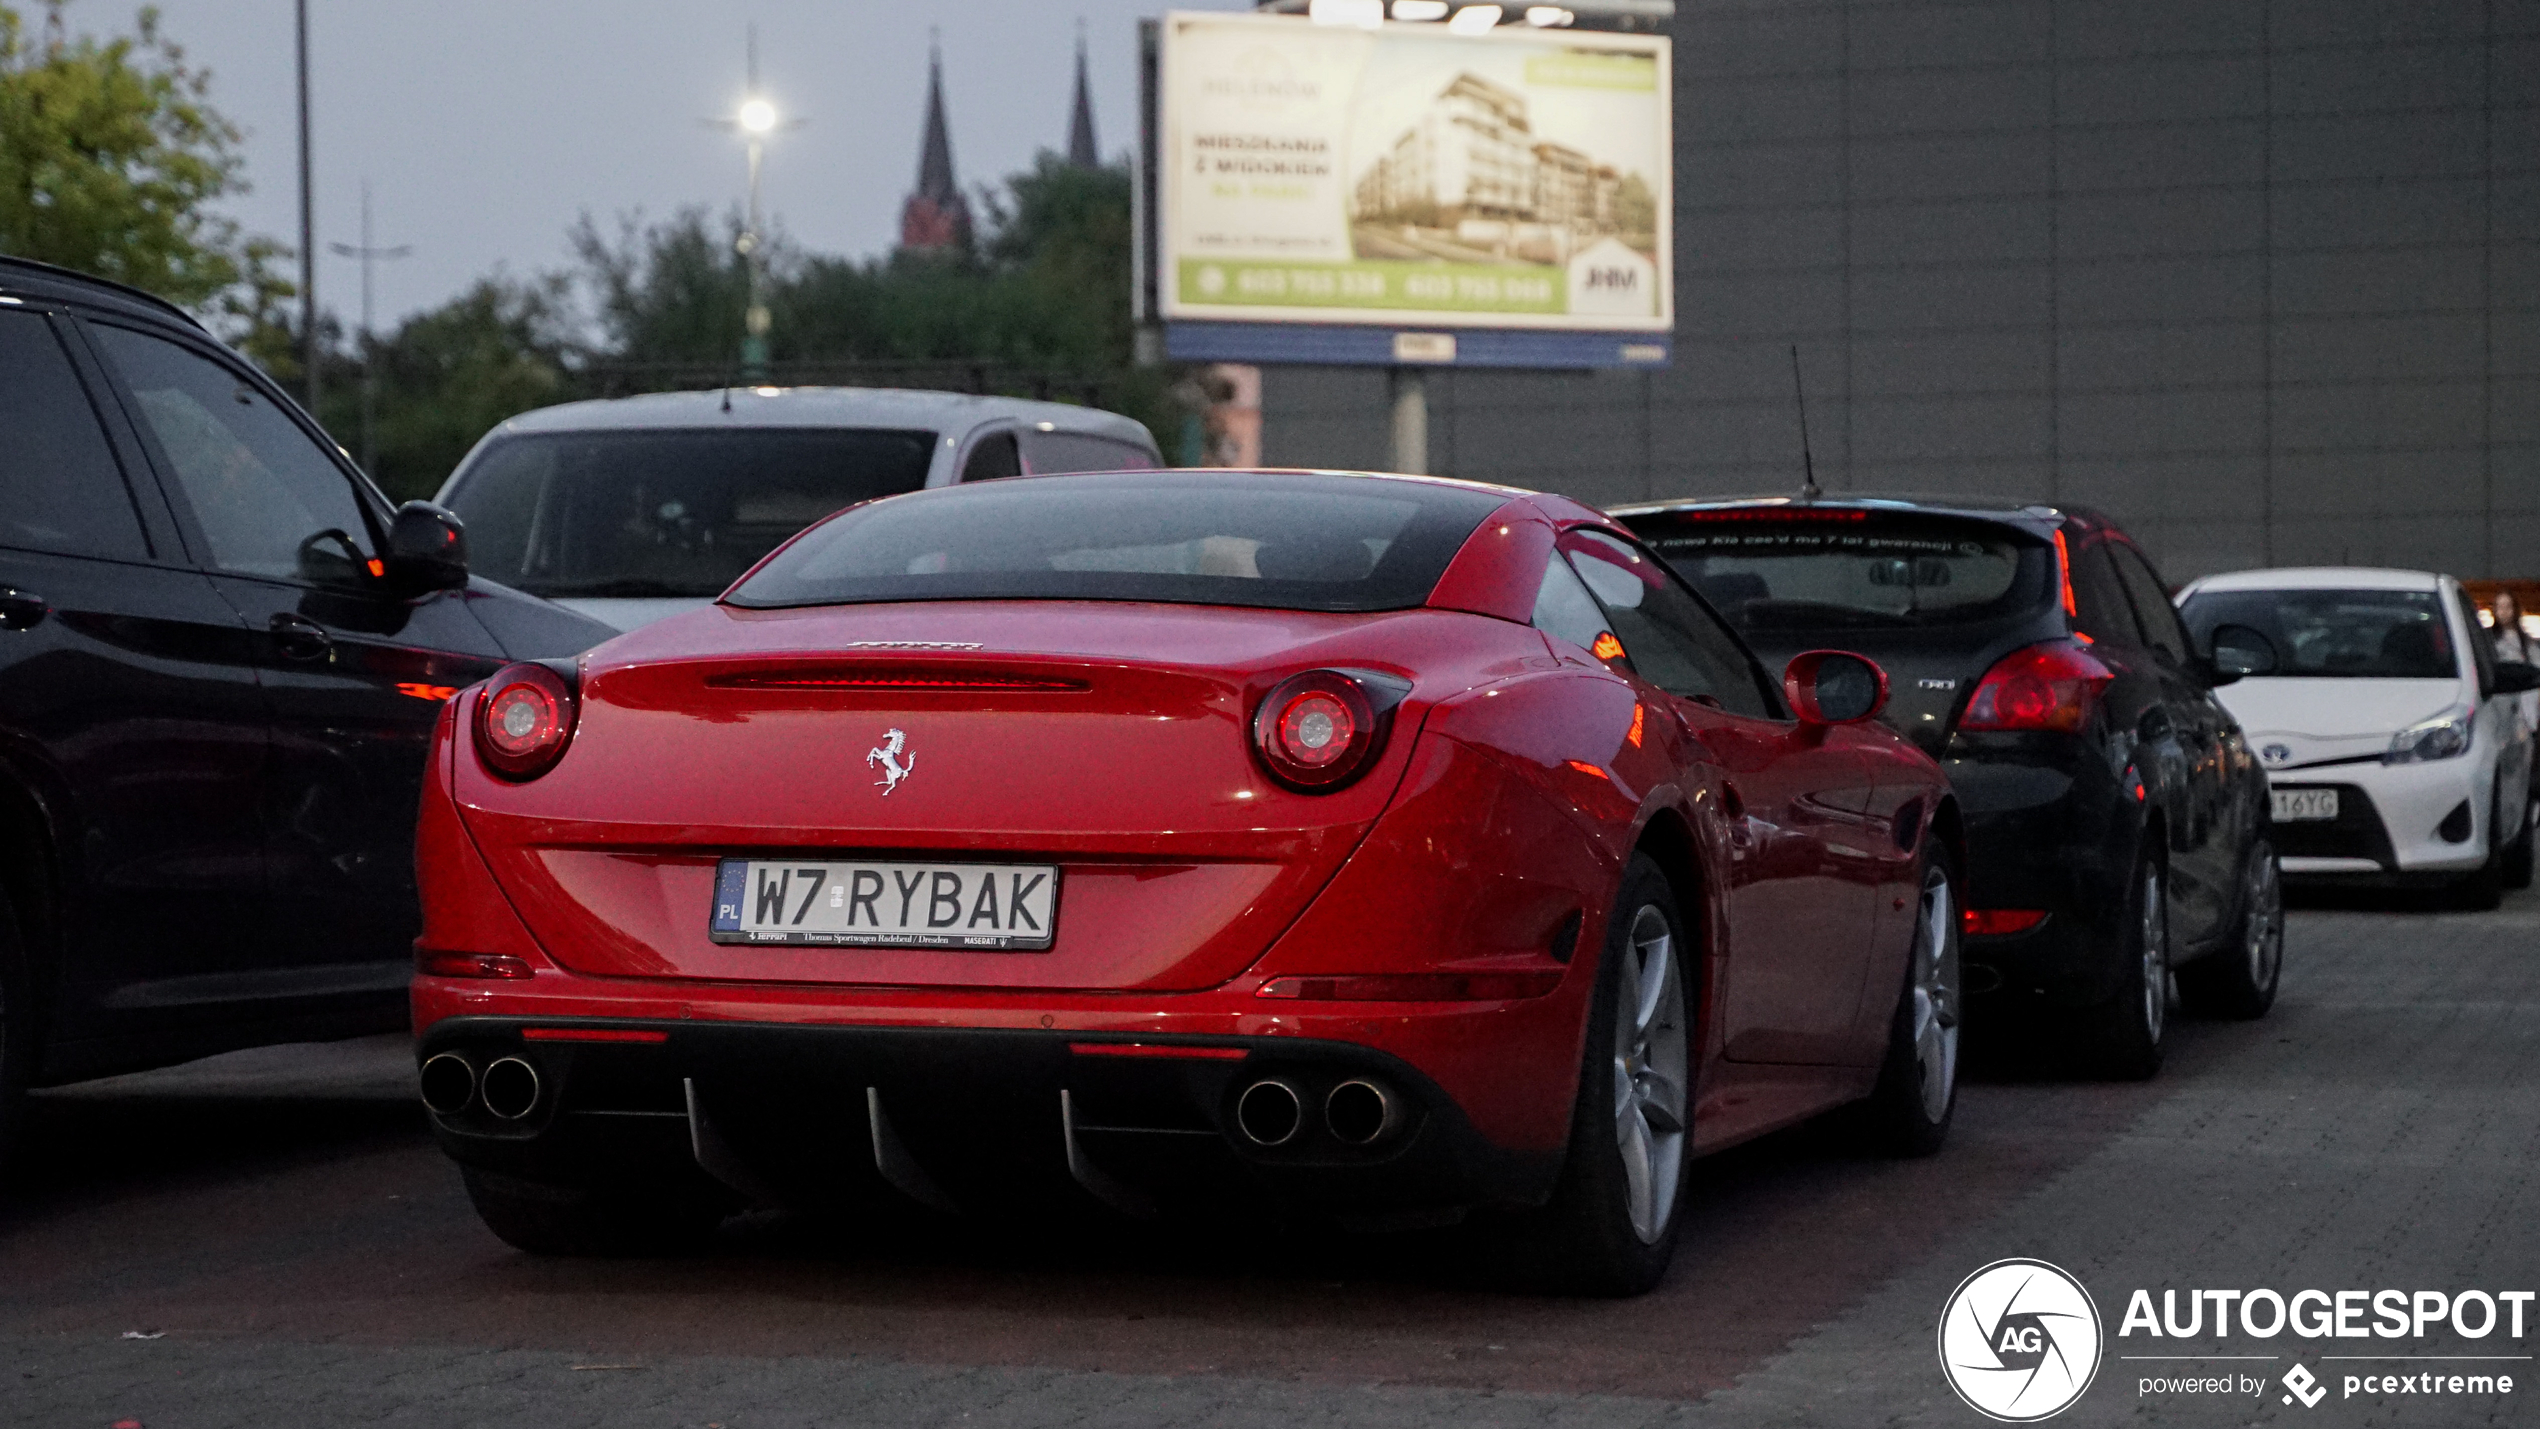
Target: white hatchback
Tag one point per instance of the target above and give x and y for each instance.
(2392, 737)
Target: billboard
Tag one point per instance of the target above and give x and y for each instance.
(1408, 177)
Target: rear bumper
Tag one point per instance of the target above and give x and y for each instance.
(988, 1117)
(2057, 837)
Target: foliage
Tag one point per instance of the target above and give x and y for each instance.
(449, 375)
(1046, 291)
(110, 155)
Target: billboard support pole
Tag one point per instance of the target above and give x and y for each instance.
(1411, 421)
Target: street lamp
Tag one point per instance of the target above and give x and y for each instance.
(369, 253)
(755, 119)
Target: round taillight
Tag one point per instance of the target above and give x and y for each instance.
(1315, 730)
(524, 718)
(1319, 730)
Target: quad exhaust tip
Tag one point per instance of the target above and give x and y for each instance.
(1359, 1112)
(509, 1088)
(1270, 1112)
(449, 1084)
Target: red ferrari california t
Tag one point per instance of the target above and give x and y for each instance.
(1386, 847)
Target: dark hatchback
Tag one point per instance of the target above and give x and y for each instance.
(222, 655)
(2117, 823)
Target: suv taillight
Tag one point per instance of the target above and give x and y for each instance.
(524, 719)
(2050, 686)
(1317, 731)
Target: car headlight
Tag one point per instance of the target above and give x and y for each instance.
(2445, 736)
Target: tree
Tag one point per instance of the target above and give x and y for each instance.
(671, 292)
(449, 375)
(110, 155)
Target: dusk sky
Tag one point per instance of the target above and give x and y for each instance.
(485, 129)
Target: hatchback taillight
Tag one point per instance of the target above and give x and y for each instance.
(2050, 686)
(524, 719)
(1319, 730)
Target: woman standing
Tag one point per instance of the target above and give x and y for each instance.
(2512, 644)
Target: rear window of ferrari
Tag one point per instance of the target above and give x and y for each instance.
(1778, 568)
(1281, 541)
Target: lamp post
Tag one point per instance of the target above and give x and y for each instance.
(370, 379)
(308, 217)
(755, 120)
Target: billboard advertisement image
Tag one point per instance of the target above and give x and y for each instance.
(1410, 176)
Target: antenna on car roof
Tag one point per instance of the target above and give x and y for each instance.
(1808, 491)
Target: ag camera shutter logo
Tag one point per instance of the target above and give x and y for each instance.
(2019, 1341)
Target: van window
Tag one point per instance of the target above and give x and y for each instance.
(993, 459)
(636, 513)
(1047, 453)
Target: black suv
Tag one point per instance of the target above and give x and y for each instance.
(221, 657)
(2117, 823)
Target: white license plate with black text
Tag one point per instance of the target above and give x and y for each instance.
(2295, 806)
(981, 906)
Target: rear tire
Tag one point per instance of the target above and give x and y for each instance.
(17, 1033)
(2240, 980)
(2125, 1034)
(2482, 890)
(1611, 1226)
(1908, 1112)
(546, 1219)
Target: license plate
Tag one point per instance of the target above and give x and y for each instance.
(2293, 806)
(978, 906)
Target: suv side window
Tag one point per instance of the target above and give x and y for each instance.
(2152, 607)
(61, 488)
(1669, 639)
(269, 499)
(2100, 608)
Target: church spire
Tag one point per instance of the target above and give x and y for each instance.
(1082, 151)
(935, 216)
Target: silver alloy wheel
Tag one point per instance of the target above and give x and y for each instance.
(2262, 932)
(1936, 995)
(2156, 952)
(1650, 1073)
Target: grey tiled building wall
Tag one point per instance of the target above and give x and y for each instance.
(2261, 278)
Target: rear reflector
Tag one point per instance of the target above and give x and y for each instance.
(1994, 922)
(939, 681)
(495, 965)
(1156, 1049)
(591, 1034)
(1414, 987)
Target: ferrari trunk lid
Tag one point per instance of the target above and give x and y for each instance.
(898, 780)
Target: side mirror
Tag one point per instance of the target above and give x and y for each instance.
(427, 548)
(1834, 687)
(2514, 677)
(2240, 650)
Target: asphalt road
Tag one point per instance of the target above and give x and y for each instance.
(270, 1239)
